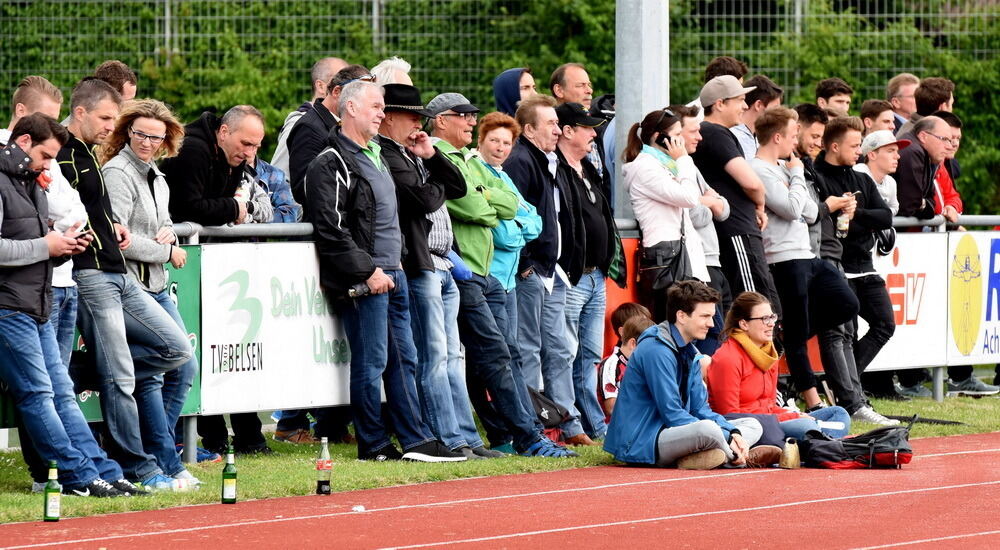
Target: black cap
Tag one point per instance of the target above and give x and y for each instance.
(403, 97)
(574, 114)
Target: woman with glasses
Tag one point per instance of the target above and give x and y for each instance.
(146, 131)
(743, 377)
(662, 184)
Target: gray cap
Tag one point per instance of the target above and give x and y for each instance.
(451, 100)
(879, 139)
(722, 87)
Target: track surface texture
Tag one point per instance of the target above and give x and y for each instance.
(948, 497)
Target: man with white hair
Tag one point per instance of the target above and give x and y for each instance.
(321, 73)
(394, 70)
(359, 243)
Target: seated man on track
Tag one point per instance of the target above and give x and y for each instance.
(662, 415)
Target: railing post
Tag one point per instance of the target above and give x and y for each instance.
(938, 383)
(190, 454)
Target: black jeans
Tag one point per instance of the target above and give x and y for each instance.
(487, 357)
(247, 436)
(836, 350)
(814, 298)
(876, 310)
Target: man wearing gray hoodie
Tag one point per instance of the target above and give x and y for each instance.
(814, 296)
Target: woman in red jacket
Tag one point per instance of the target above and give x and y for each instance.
(743, 377)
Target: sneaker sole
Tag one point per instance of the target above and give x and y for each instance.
(975, 394)
(421, 457)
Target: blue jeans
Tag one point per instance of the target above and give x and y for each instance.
(63, 319)
(482, 323)
(444, 399)
(43, 392)
(378, 331)
(585, 306)
(134, 341)
(797, 428)
(176, 385)
(545, 353)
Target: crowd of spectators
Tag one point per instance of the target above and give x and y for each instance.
(472, 282)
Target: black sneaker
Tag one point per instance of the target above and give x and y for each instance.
(97, 488)
(388, 452)
(130, 488)
(433, 451)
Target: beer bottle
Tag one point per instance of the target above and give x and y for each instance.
(324, 466)
(229, 478)
(53, 494)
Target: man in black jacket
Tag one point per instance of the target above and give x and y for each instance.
(211, 168)
(309, 135)
(842, 146)
(30, 363)
(918, 165)
(550, 264)
(360, 248)
(586, 301)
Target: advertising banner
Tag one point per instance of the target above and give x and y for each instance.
(973, 335)
(269, 340)
(916, 277)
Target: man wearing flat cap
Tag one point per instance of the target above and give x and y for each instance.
(482, 317)
(587, 299)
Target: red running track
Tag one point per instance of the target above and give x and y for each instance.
(947, 497)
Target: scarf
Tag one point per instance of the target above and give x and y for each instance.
(764, 357)
(666, 160)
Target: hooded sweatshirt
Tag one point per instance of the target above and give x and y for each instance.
(507, 90)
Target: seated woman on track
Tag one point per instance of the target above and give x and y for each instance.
(743, 377)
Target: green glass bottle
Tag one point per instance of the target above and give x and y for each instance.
(53, 494)
(229, 478)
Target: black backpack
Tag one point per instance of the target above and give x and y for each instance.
(885, 447)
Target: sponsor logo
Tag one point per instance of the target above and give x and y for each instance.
(966, 294)
(906, 293)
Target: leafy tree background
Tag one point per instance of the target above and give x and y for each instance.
(259, 51)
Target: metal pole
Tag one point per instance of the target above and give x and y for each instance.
(376, 25)
(642, 73)
(190, 454)
(938, 383)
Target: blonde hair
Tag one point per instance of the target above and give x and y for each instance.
(30, 90)
(144, 108)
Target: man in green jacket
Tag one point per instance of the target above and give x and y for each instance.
(482, 317)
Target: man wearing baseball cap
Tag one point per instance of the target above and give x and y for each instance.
(586, 300)
(482, 318)
(720, 160)
(880, 156)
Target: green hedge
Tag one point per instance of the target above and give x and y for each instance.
(260, 51)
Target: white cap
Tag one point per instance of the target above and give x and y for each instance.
(879, 139)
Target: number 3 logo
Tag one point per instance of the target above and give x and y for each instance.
(243, 303)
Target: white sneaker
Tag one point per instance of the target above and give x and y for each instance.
(868, 414)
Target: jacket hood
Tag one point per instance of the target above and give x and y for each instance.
(661, 332)
(204, 128)
(507, 90)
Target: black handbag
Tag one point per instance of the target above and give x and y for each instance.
(664, 264)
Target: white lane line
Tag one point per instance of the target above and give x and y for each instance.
(924, 541)
(401, 507)
(692, 515)
(426, 505)
(953, 453)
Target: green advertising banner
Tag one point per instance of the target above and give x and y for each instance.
(184, 286)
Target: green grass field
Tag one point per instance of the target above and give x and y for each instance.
(290, 471)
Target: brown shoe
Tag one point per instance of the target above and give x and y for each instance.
(580, 440)
(295, 436)
(702, 460)
(763, 456)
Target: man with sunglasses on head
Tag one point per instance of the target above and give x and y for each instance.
(322, 72)
(310, 133)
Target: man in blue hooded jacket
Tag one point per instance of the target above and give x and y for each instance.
(662, 415)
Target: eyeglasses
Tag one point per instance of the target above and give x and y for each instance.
(766, 319)
(142, 136)
(471, 117)
(949, 141)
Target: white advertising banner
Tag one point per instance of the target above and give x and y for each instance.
(269, 340)
(973, 336)
(917, 280)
